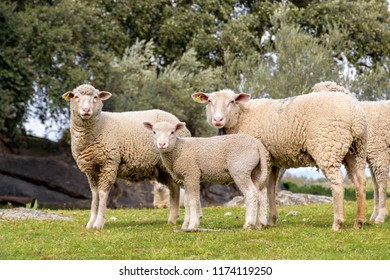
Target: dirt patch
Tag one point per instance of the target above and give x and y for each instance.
(25, 213)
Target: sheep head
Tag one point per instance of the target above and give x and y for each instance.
(164, 134)
(222, 107)
(86, 101)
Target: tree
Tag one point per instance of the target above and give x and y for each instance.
(15, 73)
(139, 83)
(292, 63)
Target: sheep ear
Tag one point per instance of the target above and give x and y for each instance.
(68, 95)
(180, 126)
(148, 125)
(104, 95)
(241, 98)
(200, 97)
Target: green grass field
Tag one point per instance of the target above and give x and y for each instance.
(144, 234)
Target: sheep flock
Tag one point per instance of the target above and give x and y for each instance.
(258, 138)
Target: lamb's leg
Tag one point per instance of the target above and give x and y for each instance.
(355, 170)
(271, 191)
(186, 211)
(193, 201)
(174, 197)
(379, 175)
(251, 193)
(262, 198)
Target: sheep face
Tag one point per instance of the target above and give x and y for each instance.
(164, 134)
(222, 106)
(86, 101)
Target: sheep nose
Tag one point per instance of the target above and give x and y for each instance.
(218, 118)
(162, 145)
(85, 110)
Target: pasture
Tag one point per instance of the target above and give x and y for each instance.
(143, 234)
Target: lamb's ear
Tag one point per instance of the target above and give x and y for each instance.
(148, 125)
(68, 95)
(241, 98)
(180, 126)
(200, 97)
(104, 95)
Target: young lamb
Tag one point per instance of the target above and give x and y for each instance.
(378, 152)
(319, 129)
(222, 159)
(161, 195)
(109, 145)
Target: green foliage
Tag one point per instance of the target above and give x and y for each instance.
(143, 234)
(15, 73)
(49, 47)
(139, 82)
(293, 62)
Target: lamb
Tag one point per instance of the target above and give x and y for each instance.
(317, 129)
(161, 195)
(378, 153)
(108, 145)
(223, 159)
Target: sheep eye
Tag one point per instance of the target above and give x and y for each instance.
(154, 132)
(172, 132)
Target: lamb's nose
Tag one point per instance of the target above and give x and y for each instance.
(86, 110)
(162, 145)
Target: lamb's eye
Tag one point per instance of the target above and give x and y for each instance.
(172, 132)
(154, 132)
(95, 98)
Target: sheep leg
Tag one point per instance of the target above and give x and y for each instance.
(262, 198)
(251, 193)
(101, 217)
(379, 175)
(94, 207)
(271, 191)
(95, 200)
(193, 202)
(174, 197)
(355, 170)
(186, 211)
(335, 176)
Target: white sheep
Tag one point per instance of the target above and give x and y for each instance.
(161, 195)
(109, 145)
(317, 129)
(378, 141)
(221, 159)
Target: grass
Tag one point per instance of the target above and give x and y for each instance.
(142, 234)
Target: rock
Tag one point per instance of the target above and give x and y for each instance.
(287, 198)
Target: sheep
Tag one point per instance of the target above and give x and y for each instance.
(222, 159)
(316, 129)
(378, 153)
(161, 195)
(108, 145)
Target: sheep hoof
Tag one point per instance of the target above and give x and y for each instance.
(337, 224)
(359, 224)
(374, 215)
(251, 227)
(379, 220)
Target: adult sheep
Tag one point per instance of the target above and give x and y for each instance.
(109, 145)
(317, 129)
(378, 141)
